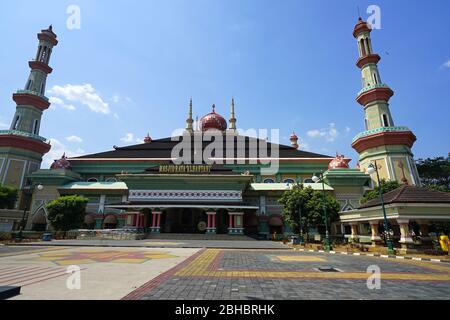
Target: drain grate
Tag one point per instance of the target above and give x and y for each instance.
(328, 269)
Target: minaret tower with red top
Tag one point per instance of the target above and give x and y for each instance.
(21, 147)
(384, 144)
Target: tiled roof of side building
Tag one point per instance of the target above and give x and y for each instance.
(162, 148)
(410, 194)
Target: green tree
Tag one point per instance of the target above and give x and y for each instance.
(435, 172)
(8, 197)
(310, 204)
(386, 186)
(66, 213)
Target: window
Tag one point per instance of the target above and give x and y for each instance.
(36, 127)
(375, 79)
(289, 181)
(42, 87)
(385, 121)
(92, 180)
(269, 180)
(309, 180)
(363, 48)
(366, 123)
(16, 123)
(367, 45)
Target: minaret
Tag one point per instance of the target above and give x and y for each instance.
(232, 117)
(294, 140)
(382, 143)
(21, 147)
(189, 120)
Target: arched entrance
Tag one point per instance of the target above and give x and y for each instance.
(184, 220)
(39, 222)
(110, 222)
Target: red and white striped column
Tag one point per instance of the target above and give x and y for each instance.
(211, 226)
(236, 223)
(156, 222)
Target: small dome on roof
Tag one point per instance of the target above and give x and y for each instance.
(213, 121)
(339, 162)
(147, 139)
(62, 163)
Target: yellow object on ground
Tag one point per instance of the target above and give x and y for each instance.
(443, 240)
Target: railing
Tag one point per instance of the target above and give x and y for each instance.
(373, 86)
(379, 130)
(33, 93)
(24, 134)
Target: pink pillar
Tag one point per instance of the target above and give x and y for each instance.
(213, 221)
(154, 220)
(230, 225)
(159, 220)
(209, 221)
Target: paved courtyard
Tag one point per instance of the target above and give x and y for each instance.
(106, 273)
(279, 275)
(218, 274)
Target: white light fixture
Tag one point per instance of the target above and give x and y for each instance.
(315, 179)
(371, 169)
(40, 187)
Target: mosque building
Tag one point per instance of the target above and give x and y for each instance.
(229, 192)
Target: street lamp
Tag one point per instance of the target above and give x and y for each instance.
(327, 235)
(27, 207)
(299, 208)
(371, 169)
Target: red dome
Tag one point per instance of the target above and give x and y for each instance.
(361, 26)
(62, 163)
(213, 121)
(339, 163)
(293, 136)
(147, 139)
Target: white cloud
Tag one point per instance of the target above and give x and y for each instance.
(315, 133)
(447, 64)
(57, 150)
(74, 138)
(55, 101)
(115, 115)
(330, 134)
(84, 94)
(129, 137)
(116, 98)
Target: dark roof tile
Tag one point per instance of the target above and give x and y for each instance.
(410, 194)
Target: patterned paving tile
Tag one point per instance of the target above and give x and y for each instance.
(261, 274)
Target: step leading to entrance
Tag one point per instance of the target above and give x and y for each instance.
(184, 236)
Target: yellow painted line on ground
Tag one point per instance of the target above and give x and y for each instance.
(72, 262)
(11, 254)
(134, 261)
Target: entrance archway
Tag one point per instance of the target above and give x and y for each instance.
(184, 220)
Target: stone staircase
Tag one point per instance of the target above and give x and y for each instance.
(184, 236)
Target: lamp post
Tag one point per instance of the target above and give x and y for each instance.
(27, 207)
(327, 235)
(299, 208)
(371, 169)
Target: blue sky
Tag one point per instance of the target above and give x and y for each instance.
(133, 65)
